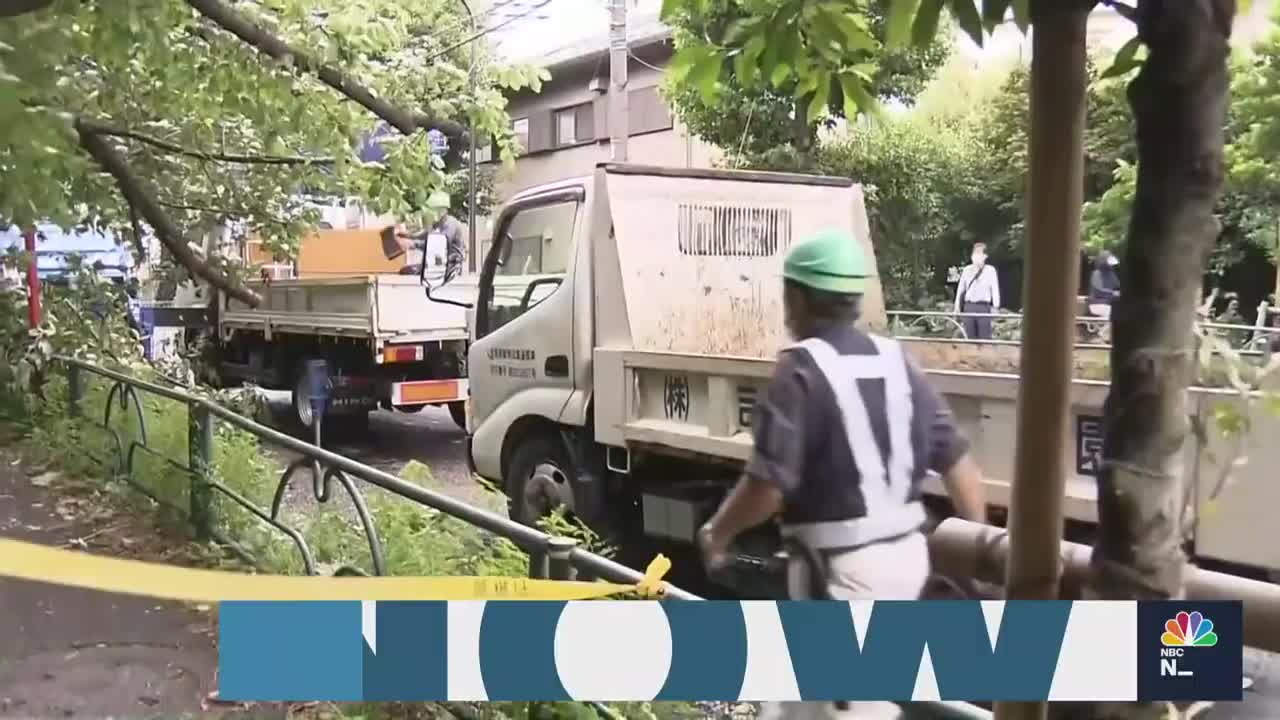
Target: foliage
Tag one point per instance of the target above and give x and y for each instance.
(822, 54)
(1247, 209)
(1108, 145)
(917, 177)
(752, 119)
(213, 129)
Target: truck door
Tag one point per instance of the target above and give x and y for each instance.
(524, 313)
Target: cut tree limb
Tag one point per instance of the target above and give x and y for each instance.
(1179, 102)
(14, 8)
(268, 44)
(103, 129)
(143, 199)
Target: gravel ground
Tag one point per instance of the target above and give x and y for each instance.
(394, 441)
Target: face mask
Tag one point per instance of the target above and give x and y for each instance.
(1113, 261)
(978, 258)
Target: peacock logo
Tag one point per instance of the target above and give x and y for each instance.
(1189, 630)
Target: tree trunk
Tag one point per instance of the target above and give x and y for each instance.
(1179, 102)
(140, 198)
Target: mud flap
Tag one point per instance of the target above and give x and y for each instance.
(588, 473)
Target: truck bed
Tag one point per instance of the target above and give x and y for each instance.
(384, 308)
(697, 403)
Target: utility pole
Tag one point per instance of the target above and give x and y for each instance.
(618, 110)
(34, 315)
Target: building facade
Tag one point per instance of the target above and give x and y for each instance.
(564, 128)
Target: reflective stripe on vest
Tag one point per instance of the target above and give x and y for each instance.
(885, 488)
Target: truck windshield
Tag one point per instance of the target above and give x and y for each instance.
(532, 256)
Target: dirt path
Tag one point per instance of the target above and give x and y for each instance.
(77, 653)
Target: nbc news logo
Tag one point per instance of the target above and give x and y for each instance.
(1185, 630)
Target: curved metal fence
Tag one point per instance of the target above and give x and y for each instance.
(549, 557)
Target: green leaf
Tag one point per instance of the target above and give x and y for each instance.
(780, 73)
(901, 13)
(821, 97)
(862, 99)
(747, 63)
(705, 74)
(925, 28)
(856, 34)
(669, 8)
(808, 83)
(738, 29)
(1126, 59)
(966, 14)
(993, 12)
(1022, 14)
(685, 61)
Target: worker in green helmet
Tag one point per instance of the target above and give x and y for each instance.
(845, 433)
(442, 246)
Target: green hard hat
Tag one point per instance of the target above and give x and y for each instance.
(830, 260)
(438, 200)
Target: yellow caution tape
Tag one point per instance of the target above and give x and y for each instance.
(28, 561)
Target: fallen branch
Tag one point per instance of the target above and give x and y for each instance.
(169, 147)
(268, 44)
(14, 8)
(139, 195)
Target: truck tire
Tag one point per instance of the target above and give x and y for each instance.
(336, 425)
(539, 479)
(458, 411)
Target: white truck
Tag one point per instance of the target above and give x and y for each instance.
(626, 321)
(384, 341)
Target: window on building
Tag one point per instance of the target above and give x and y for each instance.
(647, 111)
(574, 125)
(520, 127)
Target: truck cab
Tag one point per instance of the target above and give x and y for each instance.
(624, 322)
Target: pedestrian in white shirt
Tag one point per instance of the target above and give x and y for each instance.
(978, 292)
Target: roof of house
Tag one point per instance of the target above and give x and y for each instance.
(642, 30)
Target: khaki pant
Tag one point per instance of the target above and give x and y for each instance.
(894, 570)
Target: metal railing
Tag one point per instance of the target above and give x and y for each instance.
(1091, 331)
(557, 558)
(550, 557)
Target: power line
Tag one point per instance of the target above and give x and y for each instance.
(491, 29)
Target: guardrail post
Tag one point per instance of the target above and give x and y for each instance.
(75, 390)
(200, 450)
(558, 551)
(538, 566)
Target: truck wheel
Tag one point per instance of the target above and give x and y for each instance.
(336, 425)
(458, 411)
(539, 479)
(302, 413)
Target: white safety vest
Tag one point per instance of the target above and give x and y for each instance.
(885, 489)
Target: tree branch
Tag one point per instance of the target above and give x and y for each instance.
(1128, 12)
(218, 212)
(268, 44)
(14, 8)
(101, 129)
(141, 197)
